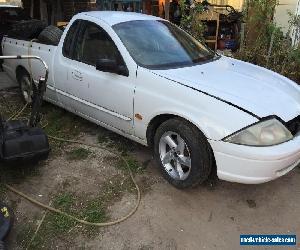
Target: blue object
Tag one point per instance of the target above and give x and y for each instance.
(5, 220)
(230, 44)
(267, 240)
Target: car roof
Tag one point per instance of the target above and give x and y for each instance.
(9, 6)
(114, 17)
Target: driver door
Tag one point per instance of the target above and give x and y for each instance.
(100, 96)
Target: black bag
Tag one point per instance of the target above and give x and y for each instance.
(19, 142)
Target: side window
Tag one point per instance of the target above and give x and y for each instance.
(94, 43)
(68, 43)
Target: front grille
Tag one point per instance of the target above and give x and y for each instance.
(294, 125)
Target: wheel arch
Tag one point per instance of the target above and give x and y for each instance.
(157, 120)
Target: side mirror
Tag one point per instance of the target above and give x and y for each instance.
(111, 66)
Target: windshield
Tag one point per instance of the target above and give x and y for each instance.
(159, 44)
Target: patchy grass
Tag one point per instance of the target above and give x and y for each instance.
(95, 212)
(114, 189)
(11, 103)
(92, 209)
(24, 234)
(54, 224)
(133, 164)
(63, 124)
(115, 141)
(123, 146)
(64, 201)
(78, 154)
(60, 223)
(60, 123)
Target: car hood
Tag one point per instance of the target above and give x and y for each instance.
(252, 88)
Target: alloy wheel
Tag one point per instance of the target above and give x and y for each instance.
(175, 155)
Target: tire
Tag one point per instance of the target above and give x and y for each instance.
(27, 30)
(25, 87)
(50, 35)
(191, 151)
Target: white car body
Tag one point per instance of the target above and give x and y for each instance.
(220, 97)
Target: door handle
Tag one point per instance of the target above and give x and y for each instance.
(77, 75)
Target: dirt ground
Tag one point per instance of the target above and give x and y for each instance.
(75, 178)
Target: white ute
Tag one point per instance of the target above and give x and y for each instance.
(146, 79)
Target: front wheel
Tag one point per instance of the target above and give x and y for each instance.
(183, 153)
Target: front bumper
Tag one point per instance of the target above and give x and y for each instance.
(253, 165)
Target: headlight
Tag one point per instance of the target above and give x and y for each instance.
(265, 133)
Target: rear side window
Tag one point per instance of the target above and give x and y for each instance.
(70, 38)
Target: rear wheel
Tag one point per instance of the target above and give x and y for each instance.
(26, 87)
(183, 153)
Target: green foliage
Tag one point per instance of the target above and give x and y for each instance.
(190, 18)
(263, 9)
(266, 44)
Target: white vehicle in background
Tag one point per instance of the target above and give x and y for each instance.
(146, 79)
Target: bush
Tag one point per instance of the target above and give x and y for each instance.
(270, 47)
(190, 18)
